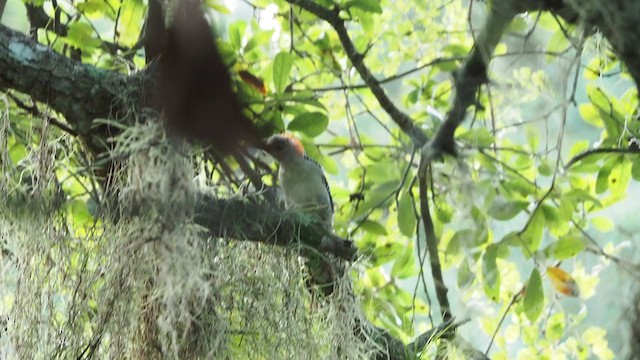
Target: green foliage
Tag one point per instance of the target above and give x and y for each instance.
(490, 273)
(311, 124)
(281, 70)
(372, 6)
(533, 301)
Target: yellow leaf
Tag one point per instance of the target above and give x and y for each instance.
(562, 281)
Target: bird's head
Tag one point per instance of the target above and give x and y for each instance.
(283, 147)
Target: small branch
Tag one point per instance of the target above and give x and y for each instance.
(574, 160)
(39, 19)
(34, 111)
(446, 327)
(514, 298)
(432, 244)
(391, 78)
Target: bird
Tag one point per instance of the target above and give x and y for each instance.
(306, 190)
(301, 179)
(194, 87)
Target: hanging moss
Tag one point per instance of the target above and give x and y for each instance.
(153, 285)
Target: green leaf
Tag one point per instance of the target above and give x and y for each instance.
(405, 266)
(79, 213)
(259, 39)
(556, 224)
(34, 2)
(455, 50)
(218, 6)
(378, 171)
(532, 236)
(281, 69)
(635, 170)
(378, 196)
(80, 35)
(387, 252)
(373, 227)
(17, 151)
(590, 115)
(545, 168)
(512, 239)
(620, 176)
(602, 181)
(478, 137)
(593, 334)
(500, 49)
(490, 273)
(533, 302)
(365, 19)
(453, 245)
(555, 327)
(406, 218)
(502, 209)
(578, 148)
(366, 5)
(558, 43)
(533, 137)
(614, 175)
(608, 108)
(311, 124)
(567, 247)
(444, 212)
(130, 22)
(602, 223)
(303, 97)
(468, 238)
(95, 8)
(236, 33)
(465, 275)
(329, 165)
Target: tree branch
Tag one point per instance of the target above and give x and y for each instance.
(618, 21)
(255, 221)
(247, 220)
(3, 3)
(470, 77)
(80, 92)
(574, 160)
(432, 246)
(400, 118)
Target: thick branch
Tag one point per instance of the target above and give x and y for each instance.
(256, 221)
(618, 21)
(253, 221)
(400, 118)
(3, 3)
(80, 92)
(470, 77)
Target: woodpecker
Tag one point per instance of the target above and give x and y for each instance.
(305, 189)
(301, 178)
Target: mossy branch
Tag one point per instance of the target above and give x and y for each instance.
(78, 91)
(243, 219)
